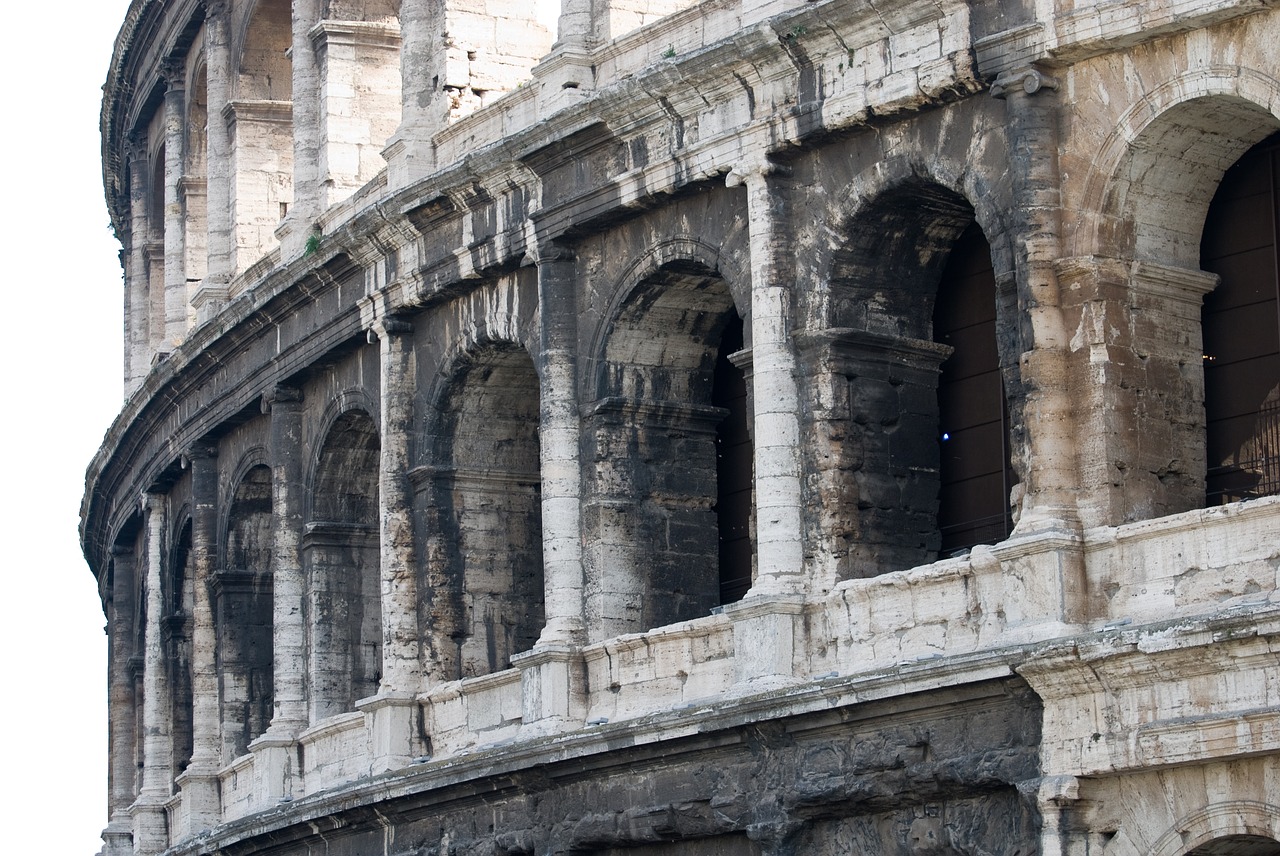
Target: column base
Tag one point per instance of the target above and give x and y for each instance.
(391, 720)
(553, 689)
(277, 769)
(767, 632)
(150, 821)
(202, 803)
(117, 838)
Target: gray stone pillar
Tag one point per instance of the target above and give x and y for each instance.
(175, 231)
(394, 741)
(553, 674)
(776, 434)
(138, 272)
(1048, 464)
(214, 289)
(277, 750)
(560, 450)
(423, 108)
(122, 722)
(401, 657)
(199, 782)
(306, 206)
(150, 829)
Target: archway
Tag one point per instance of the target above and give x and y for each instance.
(1240, 323)
(244, 614)
(487, 499)
(340, 550)
(664, 500)
(913, 314)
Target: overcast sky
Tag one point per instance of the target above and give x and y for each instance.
(62, 360)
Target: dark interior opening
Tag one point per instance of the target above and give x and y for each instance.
(1241, 327)
(734, 466)
(975, 474)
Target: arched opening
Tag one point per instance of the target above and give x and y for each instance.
(912, 314)
(974, 470)
(244, 615)
(1239, 845)
(178, 625)
(340, 549)
(488, 495)
(262, 131)
(1240, 322)
(671, 504)
(358, 53)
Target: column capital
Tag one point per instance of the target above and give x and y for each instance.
(199, 451)
(216, 8)
(173, 71)
(282, 395)
(755, 168)
(1028, 79)
(391, 326)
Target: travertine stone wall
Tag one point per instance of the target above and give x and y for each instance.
(410, 530)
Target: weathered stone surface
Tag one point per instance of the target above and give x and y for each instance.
(446, 336)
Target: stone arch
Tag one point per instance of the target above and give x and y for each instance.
(1251, 828)
(1150, 185)
(878, 364)
(484, 553)
(652, 438)
(1241, 336)
(243, 608)
(261, 130)
(341, 557)
(263, 68)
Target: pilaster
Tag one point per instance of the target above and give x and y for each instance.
(175, 142)
(138, 285)
(199, 782)
(1048, 465)
(122, 723)
(214, 289)
(150, 825)
(401, 653)
(295, 228)
(560, 452)
(288, 626)
(776, 434)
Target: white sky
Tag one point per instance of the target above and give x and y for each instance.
(62, 357)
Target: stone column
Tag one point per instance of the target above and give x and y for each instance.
(1048, 465)
(776, 397)
(391, 712)
(150, 831)
(767, 623)
(214, 289)
(553, 674)
(306, 205)
(199, 782)
(122, 724)
(175, 254)
(138, 268)
(276, 750)
(560, 451)
(409, 153)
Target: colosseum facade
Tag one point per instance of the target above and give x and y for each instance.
(659, 428)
